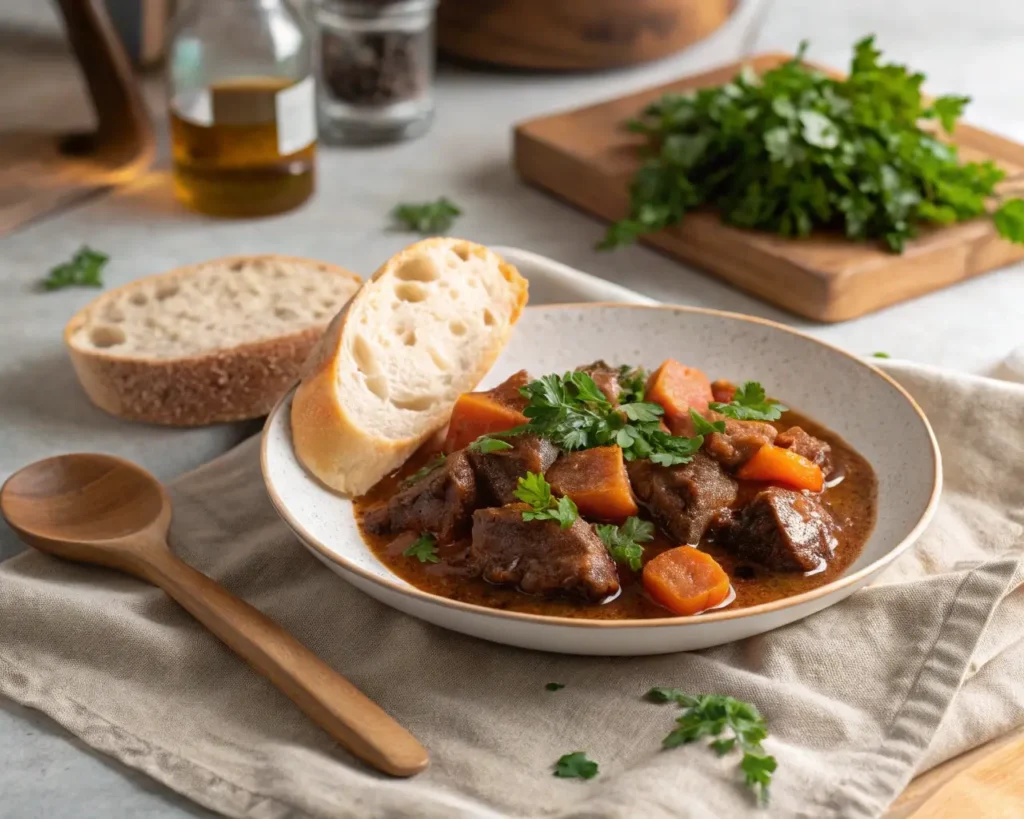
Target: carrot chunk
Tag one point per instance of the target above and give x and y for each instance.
(597, 482)
(678, 388)
(476, 414)
(777, 465)
(686, 580)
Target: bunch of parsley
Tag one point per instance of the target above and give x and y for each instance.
(794, 150)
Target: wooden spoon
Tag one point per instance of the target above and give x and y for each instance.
(103, 510)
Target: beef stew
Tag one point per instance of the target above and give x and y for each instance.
(555, 496)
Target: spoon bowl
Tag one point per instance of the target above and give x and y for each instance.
(103, 510)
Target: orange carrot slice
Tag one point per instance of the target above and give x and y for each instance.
(686, 580)
(678, 388)
(476, 414)
(597, 482)
(777, 465)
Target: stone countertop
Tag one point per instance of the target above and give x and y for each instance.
(963, 48)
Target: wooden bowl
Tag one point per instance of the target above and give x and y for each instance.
(574, 34)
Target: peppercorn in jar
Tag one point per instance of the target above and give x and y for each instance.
(375, 68)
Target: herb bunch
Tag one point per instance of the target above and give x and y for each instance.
(623, 542)
(794, 150)
(748, 404)
(535, 492)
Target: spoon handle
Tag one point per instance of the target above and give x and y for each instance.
(327, 698)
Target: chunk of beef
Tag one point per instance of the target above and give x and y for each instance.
(803, 443)
(739, 442)
(606, 377)
(781, 529)
(507, 392)
(498, 472)
(442, 503)
(683, 499)
(723, 391)
(539, 556)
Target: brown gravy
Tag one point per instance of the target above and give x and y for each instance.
(852, 502)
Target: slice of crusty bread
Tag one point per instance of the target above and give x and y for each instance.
(218, 341)
(426, 327)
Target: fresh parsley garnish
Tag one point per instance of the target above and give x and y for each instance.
(534, 491)
(794, 150)
(428, 217)
(82, 271)
(572, 412)
(487, 444)
(576, 766)
(632, 384)
(424, 549)
(703, 426)
(425, 470)
(554, 686)
(880, 355)
(623, 542)
(750, 404)
(709, 715)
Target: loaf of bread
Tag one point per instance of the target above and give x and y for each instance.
(213, 342)
(424, 329)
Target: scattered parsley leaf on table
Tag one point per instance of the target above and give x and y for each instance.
(426, 469)
(554, 686)
(424, 549)
(793, 150)
(427, 218)
(84, 270)
(576, 766)
(881, 355)
(623, 542)
(750, 404)
(534, 491)
(710, 715)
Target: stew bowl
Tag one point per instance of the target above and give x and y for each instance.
(860, 403)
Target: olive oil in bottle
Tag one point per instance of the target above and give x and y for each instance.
(249, 151)
(242, 107)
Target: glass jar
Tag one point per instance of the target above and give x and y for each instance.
(242, 107)
(375, 68)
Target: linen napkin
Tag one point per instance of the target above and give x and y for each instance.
(921, 666)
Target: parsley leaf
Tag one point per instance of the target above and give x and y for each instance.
(534, 491)
(1009, 220)
(427, 468)
(427, 218)
(554, 686)
(576, 766)
(572, 412)
(881, 355)
(703, 425)
(623, 542)
(632, 384)
(488, 444)
(710, 715)
(82, 271)
(424, 549)
(750, 404)
(794, 150)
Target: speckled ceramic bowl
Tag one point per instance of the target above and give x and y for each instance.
(863, 405)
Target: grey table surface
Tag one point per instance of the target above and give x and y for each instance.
(970, 48)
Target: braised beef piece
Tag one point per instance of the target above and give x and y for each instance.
(803, 443)
(539, 556)
(507, 392)
(606, 377)
(781, 529)
(498, 472)
(723, 391)
(739, 442)
(683, 499)
(442, 503)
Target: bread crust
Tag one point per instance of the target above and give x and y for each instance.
(234, 384)
(343, 456)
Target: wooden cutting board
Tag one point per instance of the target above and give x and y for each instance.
(585, 157)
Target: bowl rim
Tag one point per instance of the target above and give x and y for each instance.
(840, 583)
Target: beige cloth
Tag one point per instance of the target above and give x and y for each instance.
(922, 666)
